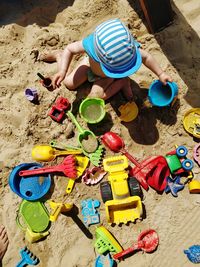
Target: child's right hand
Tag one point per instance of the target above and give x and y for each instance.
(57, 79)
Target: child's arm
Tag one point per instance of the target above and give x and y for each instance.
(66, 57)
(149, 61)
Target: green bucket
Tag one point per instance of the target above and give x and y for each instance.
(92, 110)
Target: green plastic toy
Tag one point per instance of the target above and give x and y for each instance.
(106, 242)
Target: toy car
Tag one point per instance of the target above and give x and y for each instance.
(178, 162)
(57, 112)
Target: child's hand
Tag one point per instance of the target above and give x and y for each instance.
(164, 78)
(57, 79)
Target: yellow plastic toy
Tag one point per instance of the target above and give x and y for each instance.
(121, 207)
(105, 241)
(82, 163)
(191, 122)
(48, 153)
(194, 187)
(57, 208)
(34, 237)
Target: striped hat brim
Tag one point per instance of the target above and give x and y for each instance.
(89, 46)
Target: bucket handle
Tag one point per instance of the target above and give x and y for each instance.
(18, 221)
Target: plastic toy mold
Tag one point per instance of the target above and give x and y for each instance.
(193, 253)
(196, 153)
(89, 211)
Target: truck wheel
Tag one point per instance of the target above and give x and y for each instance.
(106, 192)
(181, 151)
(187, 164)
(134, 187)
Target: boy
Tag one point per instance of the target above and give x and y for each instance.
(113, 55)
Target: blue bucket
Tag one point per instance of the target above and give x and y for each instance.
(162, 95)
(30, 188)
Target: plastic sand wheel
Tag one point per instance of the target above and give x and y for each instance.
(191, 122)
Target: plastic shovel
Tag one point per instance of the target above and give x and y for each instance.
(67, 167)
(147, 241)
(129, 111)
(47, 153)
(86, 138)
(115, 143)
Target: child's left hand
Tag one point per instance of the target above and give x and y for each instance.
(164, 78)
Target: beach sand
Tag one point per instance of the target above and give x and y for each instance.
(29, 28)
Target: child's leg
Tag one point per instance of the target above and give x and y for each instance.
(3, 242)
(74, 78)
(107, 87)
(78, 76)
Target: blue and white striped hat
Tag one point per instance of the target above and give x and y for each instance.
(113, 46)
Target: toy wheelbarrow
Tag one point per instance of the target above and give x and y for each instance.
(147, 241)
(67, 167)
(155, 169)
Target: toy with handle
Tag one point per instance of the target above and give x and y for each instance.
(47, 153)
(86, 138)
(115, 143)
(62, 146)
(147, 241)
(27, 258)
(67, 167)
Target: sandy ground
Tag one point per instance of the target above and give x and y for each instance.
(28, 27)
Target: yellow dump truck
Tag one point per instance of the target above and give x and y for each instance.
(121, 194)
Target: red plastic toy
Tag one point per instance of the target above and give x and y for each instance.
(148, 241)
(67, 167)
(58, 110)
(155, 170)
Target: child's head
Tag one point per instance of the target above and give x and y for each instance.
(113, 46)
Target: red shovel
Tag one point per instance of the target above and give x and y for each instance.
(67, 167)
(115, 143)
(147, 241)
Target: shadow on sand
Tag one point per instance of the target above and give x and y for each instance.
(187, 60)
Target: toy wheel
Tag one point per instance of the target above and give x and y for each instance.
(134, 187)
(106, 192)
(187, 164)
(181, 151)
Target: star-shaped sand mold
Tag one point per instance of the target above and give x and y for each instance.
(174, 185)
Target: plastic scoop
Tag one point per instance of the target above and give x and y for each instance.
(86, 138)
(46, 81)
(67, 167)
(129, 111)
(115, 143)
(147, 241)
(47, 153)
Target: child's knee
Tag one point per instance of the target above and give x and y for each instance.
(96, 92)
(69, 84)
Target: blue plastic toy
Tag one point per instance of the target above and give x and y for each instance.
(174, 185)
(162, 95)
(31, 188)
(104, 261)
(193, 253)
(27, 258)
(89, 211)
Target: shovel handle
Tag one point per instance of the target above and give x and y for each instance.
(131, 158)
(125, 252)
(80, 129)
(40, 171)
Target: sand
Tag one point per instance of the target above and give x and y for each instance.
(28, 28)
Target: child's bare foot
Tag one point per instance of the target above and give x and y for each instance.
(49, 56)
(3, 242)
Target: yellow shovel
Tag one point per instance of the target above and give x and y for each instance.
(47, 153)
